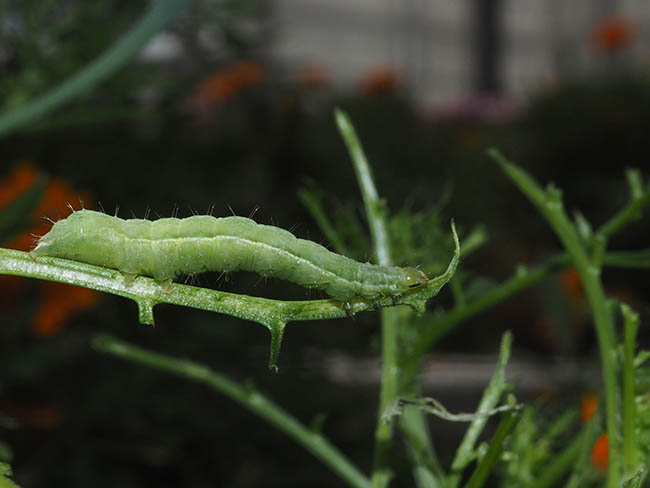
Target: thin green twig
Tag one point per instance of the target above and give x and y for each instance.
(628, 259)
(376, 213)
(313, 202)
(582, 464)
(434, 407)
(246, 396)
(426, 468)
(521, 280)
(549, 204)
(486, 465)
(491, 396)
(561, 463)
(273, 314)
(640, 198)
(157, 17)
(630, 327)
(376, 209)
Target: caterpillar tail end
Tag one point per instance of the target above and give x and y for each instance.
(40, 249)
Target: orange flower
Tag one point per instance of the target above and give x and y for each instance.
(380, 79)
(600, 453)
(60, 302)
(588, 406)
(612, 34)
(225, 83)
(572, 284)
(312, 76)
(22, 176)
(53, 205)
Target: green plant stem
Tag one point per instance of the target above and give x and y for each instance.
(313, 202)
(427, 471)
(550, 206)
(632, 211)
(491, 395)
(382, 472)
(486, 465)
(628, 259)
(582, 464)
(561, 463)
(521, 280)
(376, 213)
(630, 327)
(246, 396)
(157, 17)
(273, 314)
(376, 210)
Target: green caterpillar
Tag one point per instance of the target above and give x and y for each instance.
(166, 248)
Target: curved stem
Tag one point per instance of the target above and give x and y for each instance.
(157, 17)
(522, 279)
(549, 203)
(273, 314)
(376, 213)
(246, 396)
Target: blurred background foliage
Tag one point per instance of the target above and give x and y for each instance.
(222, 125)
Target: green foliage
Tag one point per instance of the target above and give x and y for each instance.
(5, 473)
(533, 444)
(528, 448)
(588, 256)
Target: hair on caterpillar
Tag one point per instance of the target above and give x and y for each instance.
(256, 208)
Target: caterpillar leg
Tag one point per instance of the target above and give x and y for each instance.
(129, 278)
(348, 309)
(165, 285)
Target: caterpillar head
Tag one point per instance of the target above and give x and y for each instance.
(414, 277)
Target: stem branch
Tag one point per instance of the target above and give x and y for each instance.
(249, 398)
